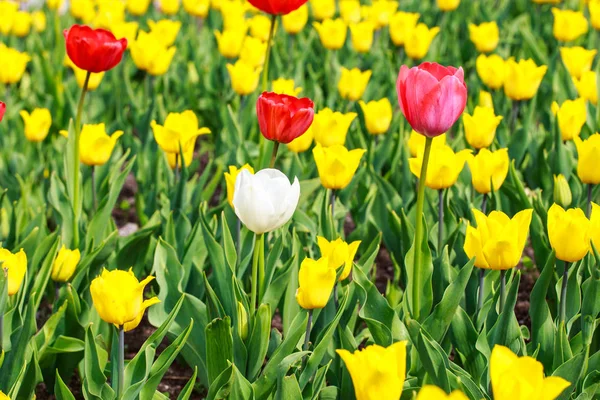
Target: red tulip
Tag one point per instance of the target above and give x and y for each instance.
(94, 50)
(283, 118)
(2, 110)
(275, 7)
(432, 97)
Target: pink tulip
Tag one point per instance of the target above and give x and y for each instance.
(2, 110)
(432, 97)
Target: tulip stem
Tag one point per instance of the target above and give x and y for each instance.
(254, 288)
(333, 209)
(563, 293)
(589, 200)
(94, 198)
(440, 219)
(514, 114)
(502, 289)
(335, 296)
(416, 293)
(238, 236)
(480, 294)
(308, 328)
(268, 53)
(484, 203)
(121, 362)
(274, 154)
(5, 270)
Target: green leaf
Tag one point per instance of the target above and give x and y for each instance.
(188, 389)
(219, 347)
(431, 355)
(259, 341)
(61, 391)
(542, 326)
(94, 380)
(424, 271)
(571, 371)
(288, 389)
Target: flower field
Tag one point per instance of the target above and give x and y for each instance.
(299, 199)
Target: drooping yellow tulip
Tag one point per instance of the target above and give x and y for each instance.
(339, 253)
(577, 60)
(165, 30)
(401, 26)
(65, 264)
(378, 115)
(419, 40)
(137, 7)
(95, 145)
(523, 78)
(332, 33)
(315, 280)
(330, 128)
(430, 392)
(322, 9)
(336, 165)
(180, 129)
(285, 86)
(587, 87)
(353, 82)
(21, 25)
(491, 70)
(197, 8)
(569, 233)
(15, 266)
(416, 142)
(244, 77)
(150, 54)
(443, 168)
(37, 124)
(12, 64)
(480, 128)
(448, 5)
(377, 373)
(594, 8)
(230, 41)
(571, 115)
(588, 154)
(295, 21)
(489, 169)
(302, 142)
(254, 52)
(485, 36)
(350, 11)
(568, 24)
(230, 178)
(362, 36)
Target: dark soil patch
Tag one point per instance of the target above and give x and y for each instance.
(125, 211)
(385, 269)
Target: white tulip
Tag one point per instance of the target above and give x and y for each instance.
(266, 200)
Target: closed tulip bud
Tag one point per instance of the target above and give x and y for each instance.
(568, 24)
(571, 115)
(362, 36)
(521, 378)
(37, 124)
(12, 64)
(577, 60)
(350, 11)
(118, 298)
(373, 365)
(38, 19)
(80, 75)
(127, 30)
(339, 253)
(378, 115)
(174, 159)
(295, 21)
(418, 42)
(165, 30)
(137, 7)
(430, 392)
(401, 26)
(180, 129)
(2, 110)
(230, 42)
(588, 154)
(416, 142)
(595, 226)
(330, 128)
(15, 266)
(485, 99)
(283, 118)
(332, 33)
(196, 8)
(95, 146)
(169, 7)
(65, 264)
(569, 233)
(594, 8)
(352, 83)
(242, 321)
(523, 79)
(260, 26)
(151, 55)
(302, 142)
(480, 128)
(322, 9)
(444, 166)
(316, 279)
(485, 36)
(448, 5)
(336, 165)
(562, 191)
(491, 70)
(285, 86)
(244, 77)
(489, 169)
(587, 87)
(253, 52)
(266, 200)
(230, 178)
(21, 25)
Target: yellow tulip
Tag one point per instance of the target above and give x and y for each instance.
(480, 128)
(489, 169)
(330, 128)
(230, 42)
(378, 373)
(485, 99)
(498, 241)
(336, 165)
(169, 7)
(485, 36)
(38, 19)
(15, 266)
(85, 10)
(569, 233)
(3, 396)
(8, 10)
(378, 115)
(416, 142)
(12, 64)
(523, 78)
(430, 392)
(315, 280)
(65, 264)
(196, 8)
(350, 11)
(588, 154)
(233, 15)
(362, 36)
(174, 159)
(253, 52)
(339, 253)
(95, 146)
(562, 192)
(165, 30)
(109, 12)
(137, 7)
(21, 24)
(401, 26)
(54, 4)
(571, 115)
(587, 86)
(285, 86)
(568, 24)
(127, 30)
(150, 54)
(352, 83)
(119, 298)
(381, 11)
(577, 60)
(595, 226)
(37, 124)
(491, 70)
(80, 75)
(295, 21)
(418, 42)
(260, 27)
(443, 168)
(594, 8)
(448, 5)
(322, 9)
(180, 129)
(521, 378)
(244, 77)
(332, 33)
(230, 178)
(302, 142)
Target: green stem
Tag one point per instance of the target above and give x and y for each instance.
(416, 294)
(563, 294)
(589, 200)
(308, 328)
(502, 289)
(5, 270)
(268, 53)
(261, 268)
(121, 362)
(274, 154)
(94, 198)
(440, 220)
(254, 283)
(480, 294)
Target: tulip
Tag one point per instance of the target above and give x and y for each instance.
(230, 178)
(285, 86)
(14, 266)
(485, 36)
(244, 77)
(230, 42)
(480, 128)
(80, 76)
(401, 26)
(350, 11)
(569, 233)
(253, 52)
(444, 166)
(418, 42)
(587, 86)
(362, 36)
(3, 396)
(588, 154)
(491, 70)
(568, 24)
(322, 9)
(370, 367)
(180, 129)
(95, 146)
(416, 142)
(336, 165)
(381, 12)
(2, 110)
(197, 8)
(233, 15)
(277, 7)
(302, 143)
(485, 99)
(378, 115)
(174, 160)
(37, 124)
(431, 97)
(12, 64)
(38, 19)
(577, 60)
(94, 50)
(283, 118)
(448, 5)
(489, 169)
(65, 264)
(594, 8)
(523, 79)
(260, 27)
(332, 33)
(137, 7)
(295, 21)
(430, 392)
(169, 7)
(84, 10)
(165, 30)
(21, 24)
(150, 55)
(330, 128)
(316, 279)
(571, 115)
(562, 192)
(109, 12)
(127, 30)
(521, 378)
(339, 253)
(8, 9)
(352, 83)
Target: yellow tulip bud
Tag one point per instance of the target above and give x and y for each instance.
(588, 154)
(196, 8)
(485, 36)
(285, 86)
(230, 41)
(260, 26)
(577, 60)
(330, 128)
(315, 279)
(378, 115)
(571, 115)
(595, 226)
(12, 64)
(65, 264)
(95, 146)
(253, 52)
(302, 142)
(521, 378)
(150, 54)
(430, 392)
(37, 124)
(418, 42)
(242, 321)
(443, 168)
(416, 142)
(295, 21)
(38, 19)
(485, 99)
(137, 7)
(489, 169)
(336, 165)
(332, 33)
(244, 77)
(587, 86)
(372, 366)
(230, 178)
(480, 128)
(569, 233)
(562, 191)
(350, 11)
(180, 129)
(594, 8)
(523, 79)
(568, 24)
(401, 26)
(352, 83)
(322, 9)
(362, 36)
(15, 266)
(339, 253)
(491, 70)
(169, 7)
(448, 5)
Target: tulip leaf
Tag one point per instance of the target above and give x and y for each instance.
(591, 305)
(61, 391)
(219, 347)
(94, 380)
(424, 271)
(542, 326)
(571, 371)
(277, 286)
(188, 389)
(288, 389)
(506, 330)
(231, 384)
(431, 355)
(46, 248)
(258, 343)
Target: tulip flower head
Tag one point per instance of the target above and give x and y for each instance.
(350, 11)
(265, 201)
(21, 24)
(253, 52)
(8, 10)
(169, 7)
(523, 79)
(588, 154)
(94, 50)
(489, 169)
(480, 128)
(416, 142)
(448, 5)
(84, 10)
(485, 36)
(180, 129)
(230, 41)
(95, 145)
(336, 165)
(418, 42)
(569, 233)
(197, 8)
(127, 30)
(244, 77)
(330, 128)
(521, 378)
(38, 19)
(230, 178)
(430, 392)
(283, 118)
(137, 7)
(12, 64)
(295, 21)
(381, 11)
(491, 70)
(378, 115)
(165, 30)
(2, 110)
(322, 9)
(174, 160)
(15, 266)
(594, 8)
(377, 372)
(362, 36)
(150, 54)
(568, 24)
(571, 115)
(260, 27)
(577, 60)
(65, 264)
(444, 166)
(332, 33)
(37, 124)
(587, 86)
(562, 192)
(285, 86)
(485, 99)
(401, 26)
(339, 253)
(316, 279)
(353, 83)
(436, 98)
(277, 7)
